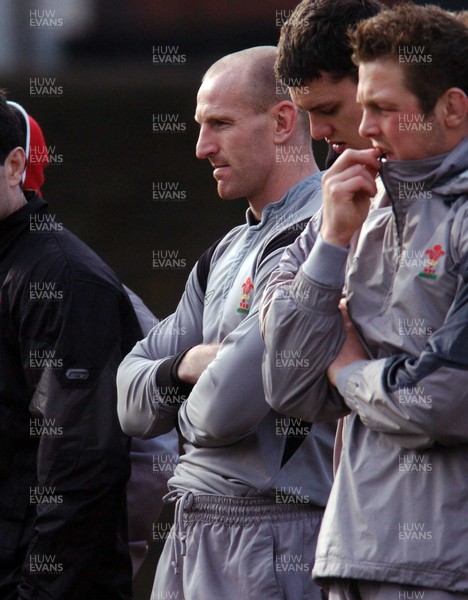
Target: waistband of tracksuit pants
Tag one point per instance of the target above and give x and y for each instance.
(231, 510)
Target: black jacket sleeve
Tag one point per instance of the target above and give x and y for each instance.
(70, 351)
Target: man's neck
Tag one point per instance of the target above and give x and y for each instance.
(17, 201)
(285, 180)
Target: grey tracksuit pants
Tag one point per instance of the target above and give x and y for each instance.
(373, 590)
(226, 548)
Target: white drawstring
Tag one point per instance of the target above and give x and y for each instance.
(184, 501)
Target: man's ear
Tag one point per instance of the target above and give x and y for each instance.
(15, 163)
(455, 107)
(285, 115)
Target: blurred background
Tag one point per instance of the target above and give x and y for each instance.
(113, 84)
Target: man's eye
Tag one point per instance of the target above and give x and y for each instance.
(329, 111)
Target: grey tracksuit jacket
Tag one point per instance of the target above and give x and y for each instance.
(234, 443)
(398, 510)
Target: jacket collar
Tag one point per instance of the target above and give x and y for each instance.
(444, 174)
(284, 204)
(17, 222)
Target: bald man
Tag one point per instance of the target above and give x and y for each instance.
(251, 486)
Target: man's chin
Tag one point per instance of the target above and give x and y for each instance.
(226, 194)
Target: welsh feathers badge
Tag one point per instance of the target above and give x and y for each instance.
(432, 260)
(247, 289)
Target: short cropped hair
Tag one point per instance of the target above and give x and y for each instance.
(256, 68)
(429, 43)
(257, 79)
(11, 135)
(314, 40)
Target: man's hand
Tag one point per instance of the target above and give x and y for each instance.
(348, 187)
(195, 362)
(351, 350)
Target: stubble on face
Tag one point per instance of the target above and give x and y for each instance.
(393, 119)
(239, 137)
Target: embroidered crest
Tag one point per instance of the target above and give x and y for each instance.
(244, 305)
(433, 255)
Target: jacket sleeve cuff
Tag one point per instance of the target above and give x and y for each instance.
(170, 386)
(346, 372)
(326, 264)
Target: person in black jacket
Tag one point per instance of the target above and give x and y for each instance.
(65, 325)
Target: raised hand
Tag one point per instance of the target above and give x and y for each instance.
(348, 187)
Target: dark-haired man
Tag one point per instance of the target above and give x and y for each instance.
(314, 60)
(395, 525)
(65, 323)
(250, 486)
(146, 486)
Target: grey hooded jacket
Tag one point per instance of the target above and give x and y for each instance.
(234, 443)
(398, 510)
